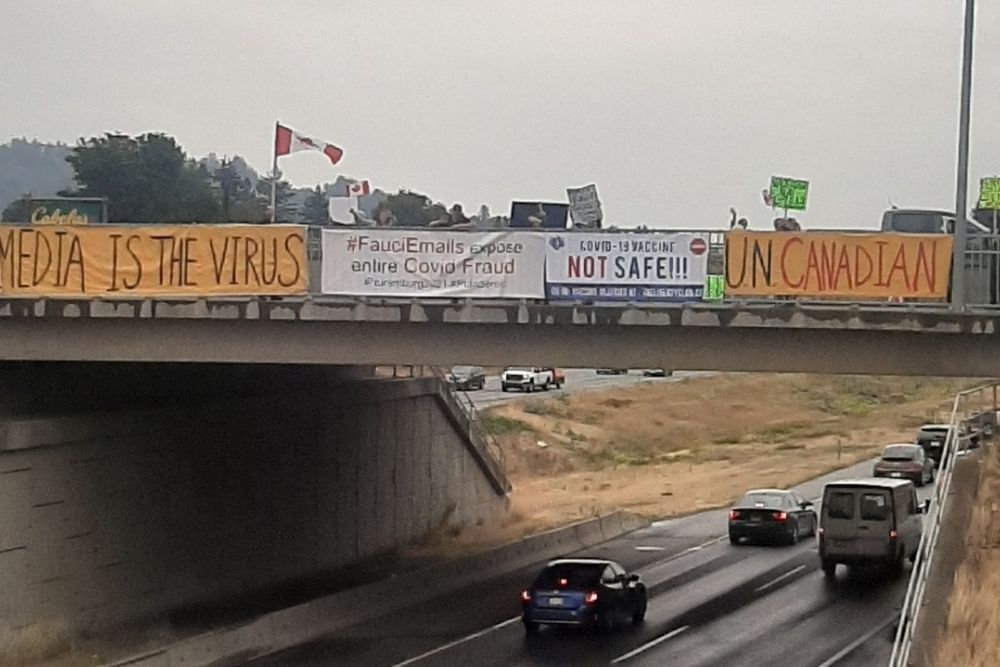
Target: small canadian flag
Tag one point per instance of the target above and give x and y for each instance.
(287, 140)
(358, 188)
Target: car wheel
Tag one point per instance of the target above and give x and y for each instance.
(829, 568)
(639, 615)
(545, 386)
(919, 481)
(530, 387)
(606, 623)
(812, 527)
(895, 566)
(531, 628)
(793, 535)
(503, 387)
(734, 539)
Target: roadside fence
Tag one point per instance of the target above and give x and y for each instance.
(973, 418)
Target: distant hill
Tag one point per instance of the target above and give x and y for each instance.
(31, 166)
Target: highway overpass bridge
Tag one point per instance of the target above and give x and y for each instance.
(777, 336)
(159, 454)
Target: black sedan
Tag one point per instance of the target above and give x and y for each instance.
(583, 592)
(771, 515)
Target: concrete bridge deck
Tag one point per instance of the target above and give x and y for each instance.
(781, 336)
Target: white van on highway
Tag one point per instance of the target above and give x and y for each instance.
(869, 522)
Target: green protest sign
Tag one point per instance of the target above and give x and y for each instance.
(989, 193)
(789, 193)
(714, 288)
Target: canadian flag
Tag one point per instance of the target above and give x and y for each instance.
(358, 188)
(287, 140)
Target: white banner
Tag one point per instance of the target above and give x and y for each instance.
(625, 267)
(584, 206)
(385, 262)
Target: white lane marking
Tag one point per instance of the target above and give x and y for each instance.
(648, 645)
(779, 579)
(462, 640)
(850, 648)
(650, 549)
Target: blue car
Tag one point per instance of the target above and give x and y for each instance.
(583, 592)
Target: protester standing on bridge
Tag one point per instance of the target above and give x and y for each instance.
(787, 225)
(537, 219)
(734, 223)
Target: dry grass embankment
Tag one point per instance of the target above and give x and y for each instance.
(668, 449)
(971, 636)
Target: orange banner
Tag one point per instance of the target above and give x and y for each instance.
(137, 261)
(823, 265)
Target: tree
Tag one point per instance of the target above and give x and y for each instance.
(315, 210)
(17, 210)
(239, 199)
(412, 209)
(145, 179)
(287, 211)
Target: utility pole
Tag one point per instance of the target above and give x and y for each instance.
(962, 180)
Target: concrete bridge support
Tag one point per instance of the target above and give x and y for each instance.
(127, 491)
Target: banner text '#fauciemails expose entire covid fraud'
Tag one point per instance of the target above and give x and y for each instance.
(474, 258)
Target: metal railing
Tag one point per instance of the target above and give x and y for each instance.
(487, 448)
(969, 416)
(982, 268)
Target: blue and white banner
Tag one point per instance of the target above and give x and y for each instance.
(625, 267)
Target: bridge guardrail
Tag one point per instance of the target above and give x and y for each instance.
(967, 409)
(489, 452)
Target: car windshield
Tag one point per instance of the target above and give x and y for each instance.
(518, 369)
(764, 500)
(899, 453)
(916, 223)
(462, 370)
(930, 433)
(570, 575)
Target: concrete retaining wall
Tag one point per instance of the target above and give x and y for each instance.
(950, 554)
(109, 518)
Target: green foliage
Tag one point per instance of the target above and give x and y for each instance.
(500, 425)
(145, 179)
(16, 211)
(315, 209)
(412, 209)
(286, 208)
(239, 199)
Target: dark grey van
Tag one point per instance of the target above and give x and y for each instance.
(869, 522)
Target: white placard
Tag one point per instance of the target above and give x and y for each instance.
(625, 267)
(584, 206)
(386, 262)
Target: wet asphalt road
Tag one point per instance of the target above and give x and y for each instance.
(710, 603)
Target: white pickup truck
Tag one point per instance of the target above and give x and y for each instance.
(526, 379)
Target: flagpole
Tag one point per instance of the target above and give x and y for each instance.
(274, 178)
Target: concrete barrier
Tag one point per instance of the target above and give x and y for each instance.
(952, 543)
(289, 627)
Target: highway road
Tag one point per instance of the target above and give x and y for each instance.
(577, 380)
(710, 603)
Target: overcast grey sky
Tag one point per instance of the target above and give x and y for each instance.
(677, 109)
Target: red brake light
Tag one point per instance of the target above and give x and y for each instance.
(820, 530)
(779, 516)
(733, 515)
(563, 582)
(892, 534)
(525, 596)
(591, 597)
